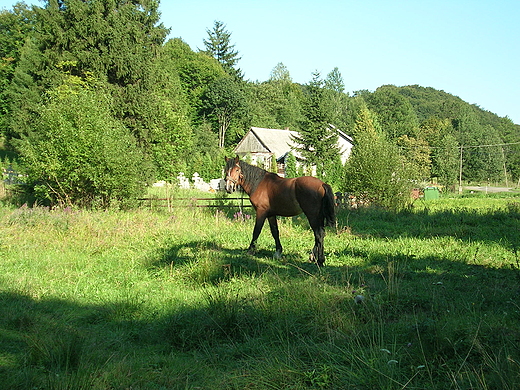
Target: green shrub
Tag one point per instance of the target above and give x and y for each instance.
(77, 153)
(375, 172)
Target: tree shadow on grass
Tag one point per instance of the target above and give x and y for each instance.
(55, 343)
(498, 226)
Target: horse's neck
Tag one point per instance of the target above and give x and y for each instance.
(252, 178)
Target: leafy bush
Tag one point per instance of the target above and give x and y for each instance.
(77, 153)
(375, 172)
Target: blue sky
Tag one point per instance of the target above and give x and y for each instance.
(469, 48)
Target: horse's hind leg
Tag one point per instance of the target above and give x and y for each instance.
(317, 254)
(316, 221)
(273, 224)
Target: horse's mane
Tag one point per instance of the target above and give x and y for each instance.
(252, 175)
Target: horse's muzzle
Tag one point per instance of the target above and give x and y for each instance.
(231, 185)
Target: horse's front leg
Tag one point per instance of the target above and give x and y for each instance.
(259, 224)
(273, 224)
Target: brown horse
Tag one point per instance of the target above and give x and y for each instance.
(272, 195)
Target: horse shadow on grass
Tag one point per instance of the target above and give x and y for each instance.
(210, 261)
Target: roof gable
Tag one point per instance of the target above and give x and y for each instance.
(279, 142)
(261, 140)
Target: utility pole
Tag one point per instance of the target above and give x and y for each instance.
(460, 171)
(505, 170)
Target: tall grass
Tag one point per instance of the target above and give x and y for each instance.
(155, 300)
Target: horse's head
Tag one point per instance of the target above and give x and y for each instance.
(233, 174)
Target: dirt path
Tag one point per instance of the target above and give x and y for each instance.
(487, 189)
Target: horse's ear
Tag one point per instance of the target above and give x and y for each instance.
(237, 159)
(225, 158)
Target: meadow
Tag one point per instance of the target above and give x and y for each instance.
(151, 299)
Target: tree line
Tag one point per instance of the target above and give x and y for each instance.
(96, 103)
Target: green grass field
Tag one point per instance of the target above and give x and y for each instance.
(155, 300)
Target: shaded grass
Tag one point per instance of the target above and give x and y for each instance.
(151, 300)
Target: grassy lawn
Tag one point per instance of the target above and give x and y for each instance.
(155, 300)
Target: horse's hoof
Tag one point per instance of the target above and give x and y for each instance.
(277, 255)
(312, 259)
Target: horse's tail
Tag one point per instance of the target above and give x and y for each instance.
(327, 206)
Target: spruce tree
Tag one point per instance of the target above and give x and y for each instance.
(115, 42)
(106, 46)
(218, 45)
(317, 139)
(15, 27)
(290, 165)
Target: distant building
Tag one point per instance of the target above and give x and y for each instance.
(262, 144)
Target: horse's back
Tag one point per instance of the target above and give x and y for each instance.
(309, 186)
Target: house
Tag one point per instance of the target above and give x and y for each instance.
(262, 144)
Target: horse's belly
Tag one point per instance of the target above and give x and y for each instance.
(289, 210)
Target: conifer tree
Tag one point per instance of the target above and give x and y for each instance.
(115, 42)
(106, 46)
(218, 45)
(290, 165)
(15, 28)
(317, 140)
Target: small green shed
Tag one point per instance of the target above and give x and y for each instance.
(431, 193)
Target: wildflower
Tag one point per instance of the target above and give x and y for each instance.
(241, 217)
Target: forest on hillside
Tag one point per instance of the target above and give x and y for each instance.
(96, 103)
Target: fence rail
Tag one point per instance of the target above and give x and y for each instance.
(340, 200)
(171, 203)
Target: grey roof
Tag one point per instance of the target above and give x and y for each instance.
(276, 141)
